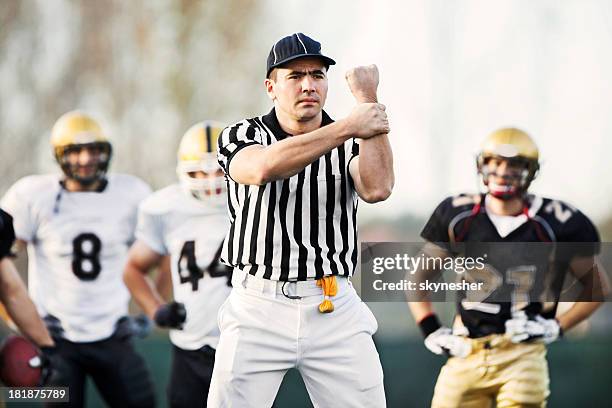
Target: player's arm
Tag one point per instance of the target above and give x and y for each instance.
(590, 272)
(163, 280)
(372, 170)
(418, 301)
(258, 165)
(19, 306)
(141, 259)
(420, 310)
(595, 288)
(439, 339)
(577, 313)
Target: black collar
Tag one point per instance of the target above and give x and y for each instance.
(271, 121)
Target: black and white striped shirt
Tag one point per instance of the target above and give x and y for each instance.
(303, 227)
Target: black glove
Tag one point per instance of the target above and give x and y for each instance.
(171, 315)
(54, 369)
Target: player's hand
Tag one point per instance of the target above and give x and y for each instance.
(363, 83)
(443, 341)
(522, 329)
(367, 120)
(140, 325)
(54, 370)
(171, 315)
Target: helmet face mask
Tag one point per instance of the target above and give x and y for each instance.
(80, 148)
(198, 171)
(90, 172)
(203, 180)
(505, 178)
(508, 163)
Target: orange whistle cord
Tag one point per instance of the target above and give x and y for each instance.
(330, 288)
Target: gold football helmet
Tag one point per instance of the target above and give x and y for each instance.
(198, 170)
(74, 131)
(517, 147)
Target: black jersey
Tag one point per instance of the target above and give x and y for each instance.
(7, 234)
(512, 256)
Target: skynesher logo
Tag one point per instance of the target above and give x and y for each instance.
(411, 264)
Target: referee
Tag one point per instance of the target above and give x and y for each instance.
(294, 179)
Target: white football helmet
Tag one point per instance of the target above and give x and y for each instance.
(198, 170)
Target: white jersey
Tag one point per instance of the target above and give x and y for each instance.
(172, 222)
(77, 249)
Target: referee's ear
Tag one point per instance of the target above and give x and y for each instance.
(269, 83)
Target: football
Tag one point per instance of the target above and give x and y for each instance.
(15, 355)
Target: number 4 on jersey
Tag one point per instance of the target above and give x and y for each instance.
(188, 269)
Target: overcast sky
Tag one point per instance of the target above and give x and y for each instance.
(453, 71)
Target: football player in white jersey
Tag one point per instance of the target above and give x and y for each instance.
(78, 228)
(186, 221)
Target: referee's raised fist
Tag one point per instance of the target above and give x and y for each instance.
(367, 120)
(363, 82)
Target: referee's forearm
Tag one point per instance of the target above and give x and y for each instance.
(375, 169)
(288, 157)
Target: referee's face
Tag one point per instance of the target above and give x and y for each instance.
(299, 89)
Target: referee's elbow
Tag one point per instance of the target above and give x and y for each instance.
(250, 173)
(261, 176)
(376, 195)
(267, 170)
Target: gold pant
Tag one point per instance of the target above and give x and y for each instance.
(497, 373)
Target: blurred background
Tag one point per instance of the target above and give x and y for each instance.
(451, 72)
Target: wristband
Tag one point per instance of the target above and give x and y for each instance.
(560, 328)
(429, 324)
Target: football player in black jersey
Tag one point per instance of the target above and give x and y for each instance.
(497, 345)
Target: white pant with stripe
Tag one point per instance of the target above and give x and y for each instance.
(264, 333)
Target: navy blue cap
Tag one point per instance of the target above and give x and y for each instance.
(295, 46)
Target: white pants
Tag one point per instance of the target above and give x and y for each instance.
(264, 334)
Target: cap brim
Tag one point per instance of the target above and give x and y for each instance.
(328, 61)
